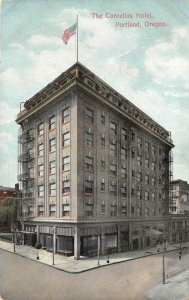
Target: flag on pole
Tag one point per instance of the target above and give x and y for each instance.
(69, 32)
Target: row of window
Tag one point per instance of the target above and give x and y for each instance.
(89, 114)
(52, 166)
(52, 121)
(88, 189)
(139, 210)
(52, 144)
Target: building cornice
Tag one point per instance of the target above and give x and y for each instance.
(84, 78)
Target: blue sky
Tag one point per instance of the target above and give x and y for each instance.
(148, 65)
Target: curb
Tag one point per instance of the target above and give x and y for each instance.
(95, 267)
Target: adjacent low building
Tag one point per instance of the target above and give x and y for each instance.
(180, 197)
(94, 169)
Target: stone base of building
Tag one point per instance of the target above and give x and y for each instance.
(90, 239)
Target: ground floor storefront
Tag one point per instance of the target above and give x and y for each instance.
(100, 238)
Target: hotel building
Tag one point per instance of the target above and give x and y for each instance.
(94, 169)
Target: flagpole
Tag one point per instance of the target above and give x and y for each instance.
(77, 38)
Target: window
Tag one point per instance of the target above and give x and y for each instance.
(153, 166)
(102, 118)
(89, 115)
(160, 151)
(66, 186)
(40, 150)
(139, 161)
(40, 129)
(146, 163)
(52, 123)
(102, 141)
(123, 172)
(153, 197)
(88, 186)
(139, 210)
(146, 146)
(123, 152)
(146, 179)
(52, 145)
(40, 190)
(113, 209)
(153, 150)
(139, 193)
(139, 177)
(124, 134)
(66, 210)
(159, 167)
(88, 163)
(113, 149)
(113, 169)
(88, 210)
(40, 170)
(102, 163)
(146, 211)
(123, 208)
(133, 152)
(133, 173)
(40, 210)
(123, 190)
(139, 142)
(52, 210)
(103, 208)
(113, 189)
(153, 181)
(66, 163)
(66, 115)
(89, 139)
(132, 190)
(160, 181)
(132, 135)
(66, 139)
(52, 167)
(52, 189)
(146, 196)
(113, 127)
(102, 185)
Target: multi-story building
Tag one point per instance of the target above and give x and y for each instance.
(94, 168)
(180, 197)
(8, 193)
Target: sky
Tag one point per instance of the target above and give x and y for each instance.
(143, 55)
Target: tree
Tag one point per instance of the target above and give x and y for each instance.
(8, 212)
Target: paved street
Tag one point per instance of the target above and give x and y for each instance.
(21, 278)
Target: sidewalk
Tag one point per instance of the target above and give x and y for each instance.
(177, 288)
(68, 264)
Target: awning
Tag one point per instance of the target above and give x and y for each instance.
(153, 232)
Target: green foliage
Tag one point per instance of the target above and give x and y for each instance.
(8, 210)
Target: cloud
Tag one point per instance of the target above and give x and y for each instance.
(8, 172)
(7, 113)
(17, 46)
(6, 139)
(40, 40)
(176, 95)
(168, 61)
(9, 75)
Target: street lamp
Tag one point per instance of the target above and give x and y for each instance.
(38, 246)
(164, 280)
(14, 232)
(54, 243)
(180, 251)
(99, 236)
(108, 252)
